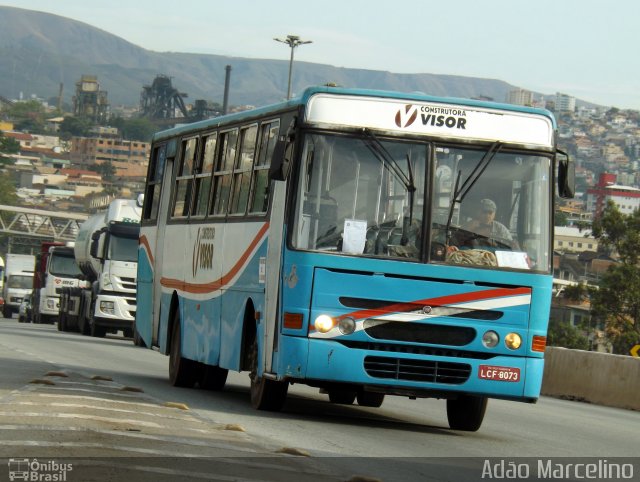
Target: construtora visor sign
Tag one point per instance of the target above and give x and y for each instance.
(447, 120)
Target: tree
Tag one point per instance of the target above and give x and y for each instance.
(8, 145)
(75, 126)
(28, 116)
(7, 191)
(562, 333)
(139, 129)
(617, 301)
(561, 218)
(107, 170)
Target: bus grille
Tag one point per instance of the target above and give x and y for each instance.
(419, 332)
(417, 370)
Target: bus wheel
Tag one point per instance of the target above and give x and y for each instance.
(213, 378)
(344, 397)
(265, 394)
(182, 371)
(466, 412)
(369, 399)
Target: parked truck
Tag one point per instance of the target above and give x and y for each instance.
(18, 281)
(106, 250)
(55, 270)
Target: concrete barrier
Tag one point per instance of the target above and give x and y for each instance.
(601, 378)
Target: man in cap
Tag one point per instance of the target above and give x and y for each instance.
(485, 224)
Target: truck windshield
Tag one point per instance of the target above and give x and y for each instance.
(368, 196)
(123, 249)
(20, 281)
(64, 266)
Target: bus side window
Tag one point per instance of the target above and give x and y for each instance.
(242, 171)
(184, 179)
(260, 187)
(222, 176)
(202, 177)
(154, 183)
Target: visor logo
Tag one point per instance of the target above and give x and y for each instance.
(407, 116)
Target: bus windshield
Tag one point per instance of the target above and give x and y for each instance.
(64, 266)
(370, 197)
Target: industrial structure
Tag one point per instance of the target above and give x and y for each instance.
(163, 103)
(89, 101)
(161, 100)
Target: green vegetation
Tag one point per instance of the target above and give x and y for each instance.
(617, 301)
(562, 333)
(135, 129)
(27, 116)
(8, 145)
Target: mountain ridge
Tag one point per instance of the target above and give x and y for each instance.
(43, 50)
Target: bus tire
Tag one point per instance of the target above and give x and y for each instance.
(213, 378)
(369, 399)
(182, 371)
(343, 397)
(266, 394)
(466, 412)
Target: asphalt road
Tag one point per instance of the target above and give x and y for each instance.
(346, 439)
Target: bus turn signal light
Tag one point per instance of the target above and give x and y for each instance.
(539, 343)
(293, 320)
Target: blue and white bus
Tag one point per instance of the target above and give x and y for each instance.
(367, 243)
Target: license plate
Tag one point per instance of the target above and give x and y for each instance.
(501, 374)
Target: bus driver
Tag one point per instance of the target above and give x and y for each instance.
(485, 223)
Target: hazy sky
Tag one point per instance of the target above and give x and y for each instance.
(584, 48)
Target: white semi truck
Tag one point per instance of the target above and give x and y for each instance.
(106, 250)
(18, 281)
(56, 270)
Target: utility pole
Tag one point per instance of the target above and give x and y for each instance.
(292, 41)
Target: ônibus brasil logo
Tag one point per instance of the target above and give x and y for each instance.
(407, 116)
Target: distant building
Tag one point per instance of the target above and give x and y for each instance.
(96, 150)
(520, 97)
(626, 198)
(565, 103)
(573, 240)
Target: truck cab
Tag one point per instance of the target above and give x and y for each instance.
(57, 270)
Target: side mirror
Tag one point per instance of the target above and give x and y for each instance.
(283, 154)
(566, 176)
(97, 245)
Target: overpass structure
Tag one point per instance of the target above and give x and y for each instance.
(41, 224)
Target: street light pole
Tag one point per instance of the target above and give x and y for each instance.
(292, 41)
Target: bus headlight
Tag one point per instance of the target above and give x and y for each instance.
(513, 341)
(347, 326)
(51, 303)
(323, 323)
(490, 339)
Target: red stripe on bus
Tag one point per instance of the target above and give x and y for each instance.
(440, 301)
(145, 243)
(195, 288)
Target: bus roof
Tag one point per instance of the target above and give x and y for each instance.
(304, 98)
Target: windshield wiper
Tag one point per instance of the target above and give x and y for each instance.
(382, 154)
(460, 192)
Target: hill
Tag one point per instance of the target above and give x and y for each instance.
(38, 51)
